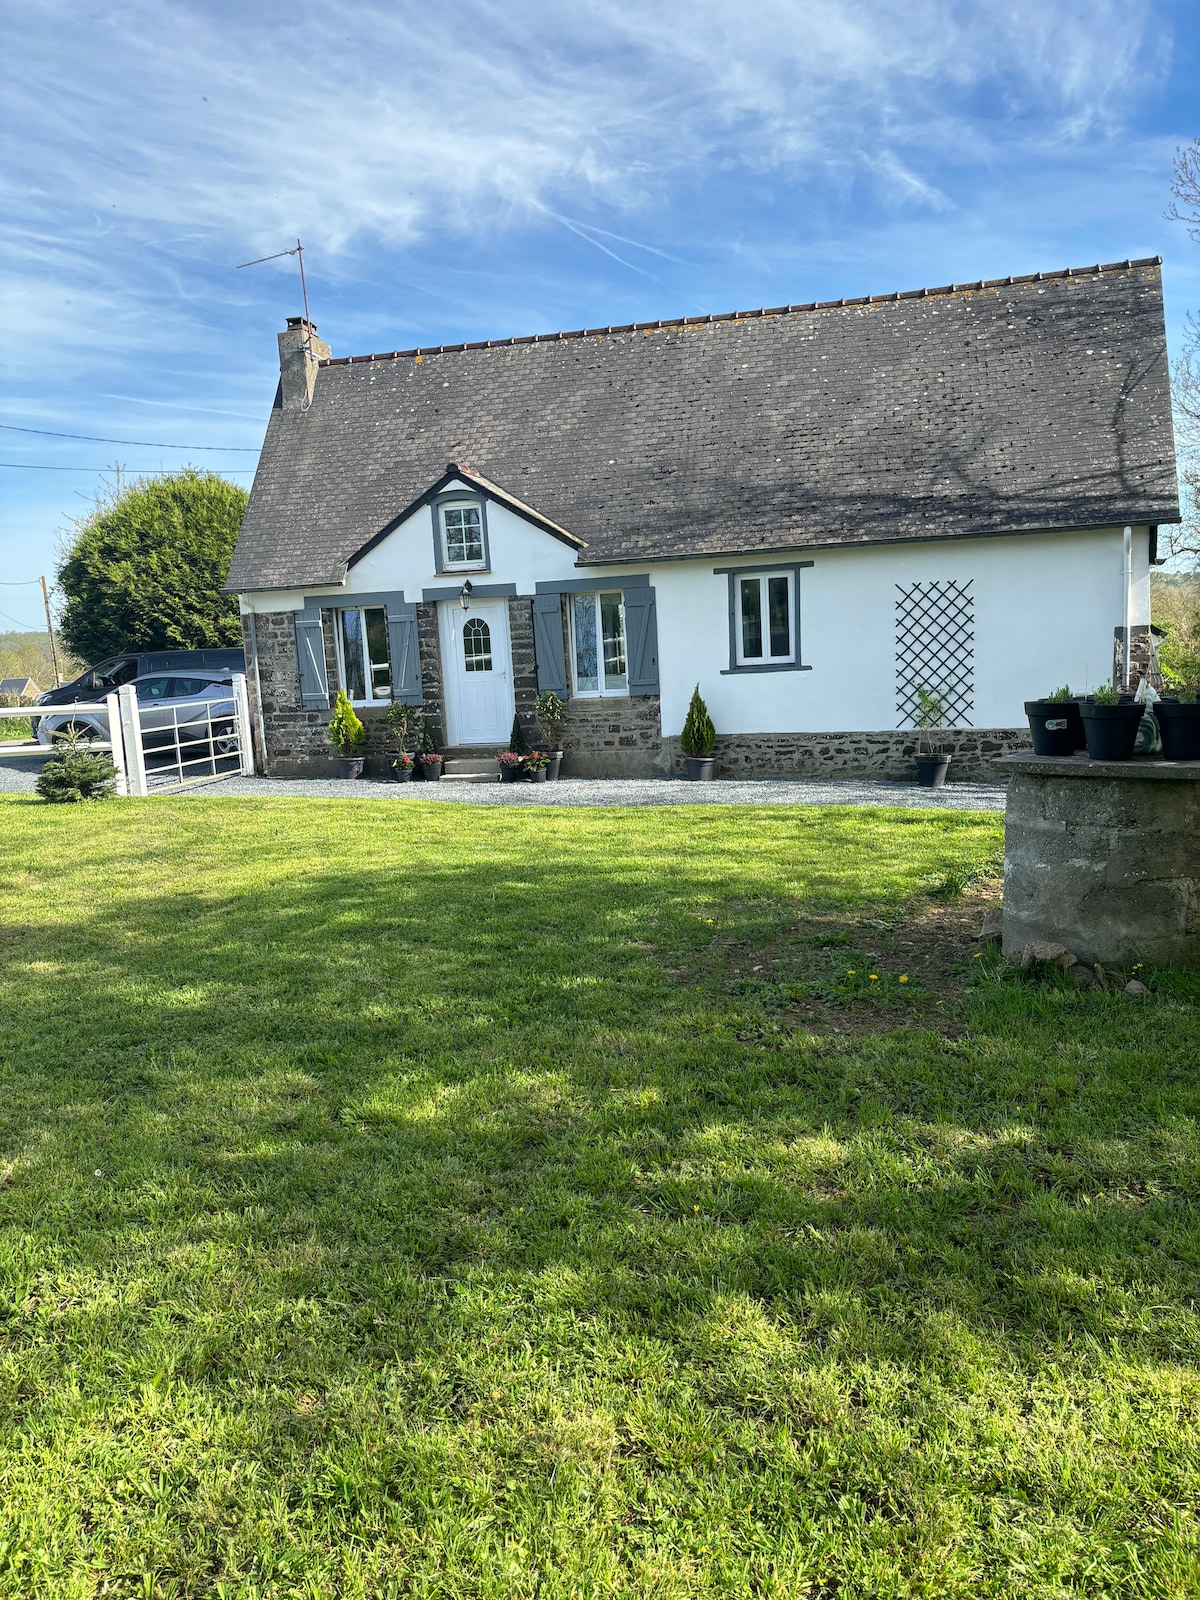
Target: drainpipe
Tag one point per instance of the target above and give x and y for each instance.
(1127, 573)
(258, 711)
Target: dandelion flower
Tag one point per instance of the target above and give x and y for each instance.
(874, 977)
(903, 979)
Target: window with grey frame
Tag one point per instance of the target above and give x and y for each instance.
(764, 618)
(463, 536)
(364, 663)
(599, 664)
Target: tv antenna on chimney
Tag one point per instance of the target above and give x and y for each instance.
(298, 252)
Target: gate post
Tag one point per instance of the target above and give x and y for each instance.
(241, 704)
(116, 741)
(131, 734)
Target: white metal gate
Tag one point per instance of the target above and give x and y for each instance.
(177, 746)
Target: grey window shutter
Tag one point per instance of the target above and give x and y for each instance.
(548, 645)
(310, 651)
(641, 641)
(404, 649)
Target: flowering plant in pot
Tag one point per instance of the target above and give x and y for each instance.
(1111, 724)
(512, 766)
(698, 740)
(430, 757)
(929, 718)
(403, 766)
(551, 713)
(1055, 725)
(537, 764)
(348, 735)
(1179, 720)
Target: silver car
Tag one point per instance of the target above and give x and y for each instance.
(171, 706)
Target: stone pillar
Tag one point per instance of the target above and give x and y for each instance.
(433, 703)
(524, 667)
(1103, 858)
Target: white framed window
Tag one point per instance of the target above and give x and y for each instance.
(364, 666)
(463, 542)
(598, 658)
(477, 645)
(765, 619)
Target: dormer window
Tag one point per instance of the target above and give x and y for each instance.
(461, 524)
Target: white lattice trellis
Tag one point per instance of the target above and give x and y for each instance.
(935, 649)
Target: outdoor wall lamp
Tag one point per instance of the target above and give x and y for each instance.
(464, 597)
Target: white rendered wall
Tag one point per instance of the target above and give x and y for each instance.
(1046, 606)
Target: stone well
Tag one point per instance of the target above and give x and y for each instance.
(1104, 858)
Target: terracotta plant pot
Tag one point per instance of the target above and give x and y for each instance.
(351, 766)
(1111, 731)
(931, 771)
(1055, 727)
(1180, 727)
(700, 769)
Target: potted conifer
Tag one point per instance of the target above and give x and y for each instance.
(698, 740)
(347, 733)
(400, 719)
(551, 713)
(932, 761)
(1179, 719)
(430, 758)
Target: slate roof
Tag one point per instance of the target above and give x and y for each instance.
(1013, 405)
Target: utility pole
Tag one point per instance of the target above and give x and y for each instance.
(50, 630)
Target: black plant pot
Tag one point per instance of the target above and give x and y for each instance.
(510, 772)
(351, 766)
(700, 768)
(431, 771)
(1111, 731)
(931, 771)
(555, 765)
(1180, 727)
(1055, 727)
(538, 775)
(402, 774)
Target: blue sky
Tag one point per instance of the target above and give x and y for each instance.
(472, 170)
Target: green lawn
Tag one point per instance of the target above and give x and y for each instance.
(440, 1201)
(13, 727)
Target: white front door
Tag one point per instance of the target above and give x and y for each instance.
(476, 671)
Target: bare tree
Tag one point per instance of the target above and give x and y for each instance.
(1185, 374)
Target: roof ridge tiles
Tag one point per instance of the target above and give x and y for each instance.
(742, 316)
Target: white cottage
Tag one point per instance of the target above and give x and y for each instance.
(812, 511)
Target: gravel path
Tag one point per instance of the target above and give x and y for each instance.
(18, 772)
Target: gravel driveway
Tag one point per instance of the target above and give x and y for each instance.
(19, 771)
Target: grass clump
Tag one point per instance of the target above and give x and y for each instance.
(488, 1208)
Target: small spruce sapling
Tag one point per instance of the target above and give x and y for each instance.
(345, 729)
(75, 775)
(699, 737)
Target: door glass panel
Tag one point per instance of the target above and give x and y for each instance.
(154, 689)
(377, 653)
(587, 662)
(752, 629)
(352, 654)
(477, 645)
(188, 686)
(778, 611)
(612, 630)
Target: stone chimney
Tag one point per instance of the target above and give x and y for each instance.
(299, 352)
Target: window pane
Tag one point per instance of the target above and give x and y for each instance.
(153, 688)
(352, 654)
(779, 611)
(612, 629)
(752, 630)
(464, 535)
(477, 645)
(377, 652)
(587, 670)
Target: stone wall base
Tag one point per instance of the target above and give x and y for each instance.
(886, 754)
(617, 738)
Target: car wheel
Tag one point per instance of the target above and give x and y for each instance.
(78, 733)
(225, 740)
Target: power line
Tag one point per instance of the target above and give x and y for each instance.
(150, 444)
(145, 472)
(21, 583)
